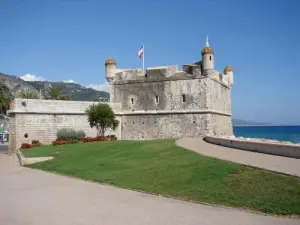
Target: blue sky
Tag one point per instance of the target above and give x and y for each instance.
(70, 40)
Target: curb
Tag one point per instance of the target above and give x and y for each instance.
(27, 161)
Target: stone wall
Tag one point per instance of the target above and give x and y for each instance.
(254, 145)
(160, 126)
(219, 124)
(41, 119)
(137, 96)
(219, 96)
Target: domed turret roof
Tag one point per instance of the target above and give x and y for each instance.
(207, 50)
(228, 69)
(110, 61)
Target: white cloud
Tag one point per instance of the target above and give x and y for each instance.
(30, 77)
(69, 81)
(99, 87)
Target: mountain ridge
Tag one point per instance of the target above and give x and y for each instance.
(77, 91)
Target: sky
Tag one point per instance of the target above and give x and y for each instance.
(69, 40)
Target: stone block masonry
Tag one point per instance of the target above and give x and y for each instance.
(41, 119)
(166, 102)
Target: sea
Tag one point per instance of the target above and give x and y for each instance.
(280, 133)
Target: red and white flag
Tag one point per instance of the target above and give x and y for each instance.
(141, 52)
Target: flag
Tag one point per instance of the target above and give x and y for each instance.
(141, 52)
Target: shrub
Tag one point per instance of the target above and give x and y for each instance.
(66, 134)
(25, 145)
(35, 143)
(99, 138)
(80, 135)
(88, 139)
(59, 139)
(112, 137)
(69, 134)
(54, 143)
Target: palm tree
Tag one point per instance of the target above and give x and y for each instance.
(28, 94)
(54, 92)
(65, 97)
(5, 97)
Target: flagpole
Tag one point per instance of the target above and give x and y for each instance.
(143, 59)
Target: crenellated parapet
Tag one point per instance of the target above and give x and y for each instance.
(197, 70)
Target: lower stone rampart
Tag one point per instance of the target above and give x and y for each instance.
(41, 119)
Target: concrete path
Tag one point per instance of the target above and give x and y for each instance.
(269, 162)
(32, 197)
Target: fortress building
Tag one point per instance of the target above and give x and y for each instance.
(162, 103)
(166, 102)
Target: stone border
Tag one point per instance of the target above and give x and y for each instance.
(27, 161)
(255, 145)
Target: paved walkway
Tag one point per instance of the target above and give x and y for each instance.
(33, 197)
(269, 162)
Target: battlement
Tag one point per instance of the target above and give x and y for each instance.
(199, 69)
(168, 73)
(158, 73)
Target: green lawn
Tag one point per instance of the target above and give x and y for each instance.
(164, 168)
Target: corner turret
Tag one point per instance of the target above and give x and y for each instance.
(207, 57)
(228, 72)
(110, 69)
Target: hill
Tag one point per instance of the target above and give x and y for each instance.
(77, 91)
(239, 122)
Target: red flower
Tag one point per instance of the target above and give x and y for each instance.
(25, 145)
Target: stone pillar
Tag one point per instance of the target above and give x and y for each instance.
(12, 133)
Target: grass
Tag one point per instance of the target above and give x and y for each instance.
(162, 167)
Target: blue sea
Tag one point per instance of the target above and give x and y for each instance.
(280, 133)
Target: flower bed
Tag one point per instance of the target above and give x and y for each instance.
(61, 141)
(25, 145)
(34, 143)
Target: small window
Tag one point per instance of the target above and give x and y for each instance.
(156, 99)
(210, 58)
(131, 100)
(183, 98)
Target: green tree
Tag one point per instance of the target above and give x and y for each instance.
(28, 94)
(54, 93)
(5, 97)
(102, 117)
(65, 97)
